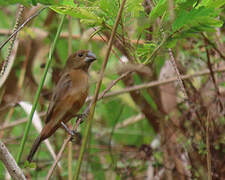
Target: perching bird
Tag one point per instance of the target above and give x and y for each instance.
(68, 96)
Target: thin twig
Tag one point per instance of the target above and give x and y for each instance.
(93, 103)
(113, 83)
(155, 51)
(211, 71)
(59, 155)
(8, 105)
(104, 39)
(10, 163)
(66, 35)
(17, 122)
(101, 96)
(208, 149)
(209, 64)
(158, 83)
(3, 127)
(179, 79)
(8, 117)
(21, 27)
(214, 47)
(130, 120)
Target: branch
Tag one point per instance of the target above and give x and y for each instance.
(124, 123)
(209, 64)
(10, 163)
(113, 83)
(179, 79)
(158, 83)
(214, 46)
(66, 35)
(18, 122)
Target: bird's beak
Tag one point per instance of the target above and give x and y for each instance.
(90, 57)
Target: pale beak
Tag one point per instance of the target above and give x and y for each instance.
(90, 57)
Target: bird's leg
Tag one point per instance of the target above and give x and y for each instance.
(73, 133)
(69, 131)
(81, 116)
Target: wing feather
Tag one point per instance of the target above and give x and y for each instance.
(60, 90)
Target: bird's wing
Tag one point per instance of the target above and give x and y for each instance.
(61, 88)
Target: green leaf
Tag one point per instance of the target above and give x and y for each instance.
(28, 2)
(109, 8)
(30, 165)
(171, 42)
(8, 2)
(181, 20)
(158, 10)
(144, 50)
(86, 14)
(212, 3)
(185, 4)
(134, 7)
(202, 16)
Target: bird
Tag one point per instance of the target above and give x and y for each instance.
(68, 96)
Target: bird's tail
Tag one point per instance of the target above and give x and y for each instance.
(34, 148)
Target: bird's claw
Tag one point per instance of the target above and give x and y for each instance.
(69, 131)
(81, 117)
(73, 134)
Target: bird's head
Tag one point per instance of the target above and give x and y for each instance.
(80, 60)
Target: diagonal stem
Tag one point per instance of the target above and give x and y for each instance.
(93, 103)
(21, 27)
(49, 60)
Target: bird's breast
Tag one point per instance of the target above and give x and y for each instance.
(79, 89)
(79, 79)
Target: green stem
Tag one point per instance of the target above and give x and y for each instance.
(49, 60)
(93, 104)
(84, 142)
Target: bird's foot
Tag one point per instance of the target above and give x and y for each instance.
(81, 117)
(76, 138)
(69, 131)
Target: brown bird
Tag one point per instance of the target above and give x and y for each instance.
(68, 96)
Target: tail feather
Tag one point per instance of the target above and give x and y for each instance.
(34, 148)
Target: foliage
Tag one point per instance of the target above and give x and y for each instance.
(120, 143)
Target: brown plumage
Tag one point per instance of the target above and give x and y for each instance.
(68, 96)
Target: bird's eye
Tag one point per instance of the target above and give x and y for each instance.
(80, 55)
